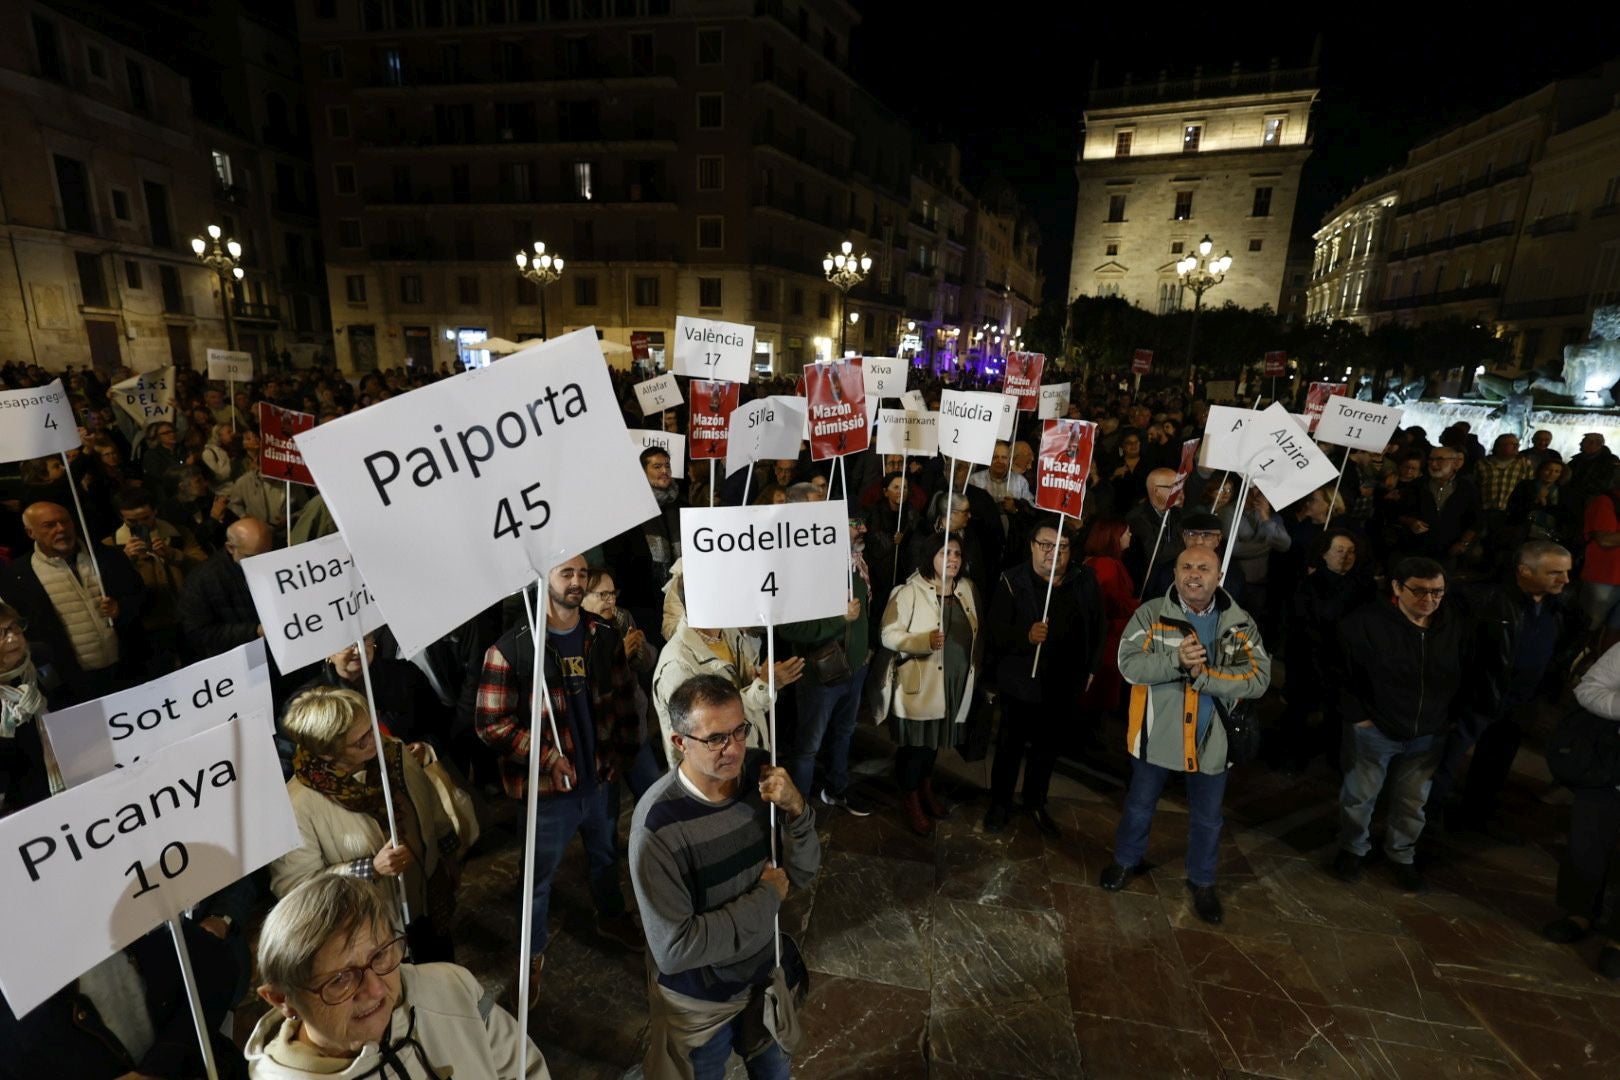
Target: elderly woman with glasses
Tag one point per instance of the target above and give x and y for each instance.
(345, 1004)
(23, 776)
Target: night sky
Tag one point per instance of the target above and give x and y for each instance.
(1007, 82)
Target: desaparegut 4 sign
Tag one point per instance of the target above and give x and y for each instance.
(456, 495)
(711, 349)
(765, 565)
(36, 422)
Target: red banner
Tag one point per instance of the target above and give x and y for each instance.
(836, 394)
(1065, 463)
(639, 343)
(279, 458)
(1276, 364)
(1142, 361)
(1023, 379)
(1189, 461)
(709, 421)
(1316, 399)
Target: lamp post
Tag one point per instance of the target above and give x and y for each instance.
(1200, 273)
(224, 260)
(846, 270)
(542, 269)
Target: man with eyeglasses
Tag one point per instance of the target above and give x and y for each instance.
(1439, 516)
(709, 883)
(1038, 702)
(1400, 690)
(1150, 520)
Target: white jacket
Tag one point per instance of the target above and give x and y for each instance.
(919, 671)
(462, 1032)
(77, 600)
(686, 655)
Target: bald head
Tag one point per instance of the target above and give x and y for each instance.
(1159, 484)
(51, 529)
(248, 537)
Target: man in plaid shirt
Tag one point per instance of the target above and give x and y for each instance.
(591, 694)
(1500, 472)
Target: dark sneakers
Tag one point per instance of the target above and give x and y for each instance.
(1347, 866)
(1044, 821)
(1206, 903)
(996, 818)
(1409, 879)
(1116, 876)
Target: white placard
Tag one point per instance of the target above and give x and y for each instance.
(913, 401)
(909, 433)
(711, 349)
(1282, 460)
(36, 422)
(1223, 437)
(765, 565)
(766, 429)
(1360, 425)
(672, 443)
(658, 394)
(87, 872)
(308, 597)
(148, 397)
(1054, 401)
(458, 494)
(885, 376)
(1008, 418)
(968, 421)
(228, 366)
(120, 729)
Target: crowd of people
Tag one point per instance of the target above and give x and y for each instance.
(1423, 610)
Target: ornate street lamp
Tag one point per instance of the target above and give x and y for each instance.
(224, 260)
(1200, 273)
(846, 270)
(542, 269)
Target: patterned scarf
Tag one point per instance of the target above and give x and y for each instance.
(857, 559)
(20, 699)
(362, 791)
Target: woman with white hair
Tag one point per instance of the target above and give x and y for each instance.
(337, 798)
(345, 1004)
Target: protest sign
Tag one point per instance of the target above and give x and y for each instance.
(1008, 419)
(1281, 460)
(1189, 461)
(120, 729)
(1360, 425)
(458, 494)
(1142, 361)
(835, 393)
(885, 376)
(88, 871)
(913, 401)
(710, 349)
(1054, 401)
(765, 565)
(36, 422)
(768, 429)
(148, 397)
(279, 457)
(1223, 434)
(1220, 390)
(709, 418)
(1064, 466)
(1276, 364)
(228, 366)
(640, 345)
(310, 599)
(1316, 399)
(1023, 379)
(908, 433)
(658, 394)
(967, 423)
(670, 442)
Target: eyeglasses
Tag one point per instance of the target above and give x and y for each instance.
(1046, 546)
(1200, 534)
(346, 983)
(18, 629)
(1424, 594)
(607, 594)
(717, 742)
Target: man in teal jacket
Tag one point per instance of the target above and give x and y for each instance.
(1188, 656)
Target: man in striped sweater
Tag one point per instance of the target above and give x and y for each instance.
(700, 861)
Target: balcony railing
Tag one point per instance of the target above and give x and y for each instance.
(797, 207)
(800, 150)
(1479, 183)
(540, 136)
(513, 75)
(1472, 236)
(1554, 223)
(601, 194)
(258, 312)
(1434, 299)
(1544, 309)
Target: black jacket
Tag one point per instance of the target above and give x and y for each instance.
(641, 580)
(1145, 525)
(1406, 679)
(1499, 620)
(216, 608)
(1447, 524)
(22, 589)
(1076, 629)
(1318, 605)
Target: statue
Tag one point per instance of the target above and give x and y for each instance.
(1364, 389)
(1407, 393)
(1591, 370)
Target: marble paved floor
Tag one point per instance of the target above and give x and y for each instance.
(968, 955)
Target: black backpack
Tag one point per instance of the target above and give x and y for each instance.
(1584, 751)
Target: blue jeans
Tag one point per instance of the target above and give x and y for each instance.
(1370, 759)
(1204, 794)
(827, 716)
(595, 818)
(709, 1060)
